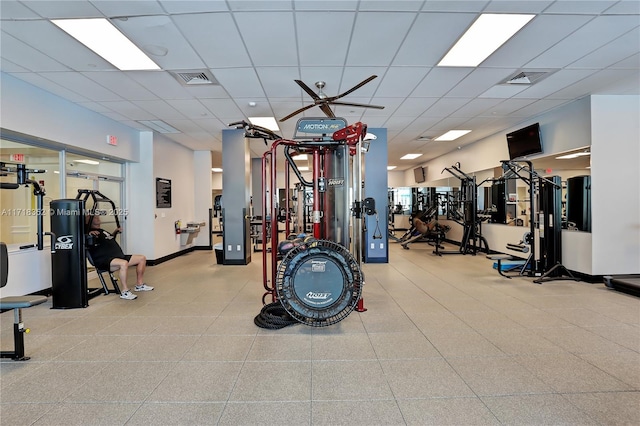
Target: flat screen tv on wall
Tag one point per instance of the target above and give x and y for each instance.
(418, 174)
(525, 141)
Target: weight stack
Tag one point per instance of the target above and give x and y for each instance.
(68, 263)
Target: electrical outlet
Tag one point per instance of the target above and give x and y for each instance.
(229, 247)
(373, 246)
(381, 246)
(238, 247)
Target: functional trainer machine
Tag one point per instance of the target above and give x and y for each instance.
(317, 280)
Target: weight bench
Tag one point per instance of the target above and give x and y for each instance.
(100, 273)
(17, 303)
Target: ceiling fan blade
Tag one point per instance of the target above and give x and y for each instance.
(296, 112)
(357, 105)
(327, 110)
(354, 88)
(307, 89)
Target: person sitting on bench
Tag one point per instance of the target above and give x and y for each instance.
(108, 256)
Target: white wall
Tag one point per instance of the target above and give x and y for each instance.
(32, 111)
(140, 199)
(202, 195)
(615, 184)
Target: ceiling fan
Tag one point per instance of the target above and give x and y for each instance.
(323, 101)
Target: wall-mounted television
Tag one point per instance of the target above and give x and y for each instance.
(418, 174)
(525, 141)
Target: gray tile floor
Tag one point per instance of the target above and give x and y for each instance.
(445, 340)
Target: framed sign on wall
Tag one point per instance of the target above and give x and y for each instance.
(163, 193)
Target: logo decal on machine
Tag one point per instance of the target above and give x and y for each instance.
(335, 182)
(64, 242)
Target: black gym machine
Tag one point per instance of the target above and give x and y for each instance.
(543, 240)
(467, 199)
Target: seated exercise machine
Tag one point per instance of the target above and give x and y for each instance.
(514, 263)
(17, 303)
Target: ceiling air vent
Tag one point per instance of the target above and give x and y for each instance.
(195, 77)
(527, 77)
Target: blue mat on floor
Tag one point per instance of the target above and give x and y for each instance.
(509, 265)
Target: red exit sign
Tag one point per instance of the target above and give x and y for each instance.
(112, 140)
(18, 158)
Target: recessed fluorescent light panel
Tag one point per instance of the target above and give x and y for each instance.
(303, 169)
(452, 135)
(574, 155)
(266, 122)
(391, 167)
(410, 156)
(485, 36)
(91, 162)
(107, 41)
(216, 169)
(159, 126)
(299, 157)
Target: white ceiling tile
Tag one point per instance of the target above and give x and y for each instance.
(594, 34)
(64, 9)
(222, 107)
(454, 6)
(50, 86)
(377, 37)
(476, 107)
(579, 6)
(397, 122)
(324, 5)
(310, 75)
(390, 5)
(540, 34)
(159, 108)
(389, 104)
(430, 37)
(212, 125)
(632, 62)
(400, 81)
(129, 110)
(117, 117)
(278, 47)
(215, 37)
(522, 6)
(593, 84)
(445, 106)
(194, 6)
(553, 83)
(121, 84)
(152, 32)
(440, 81)
(207, 91)
(9, 67)
(625, 7)
(240, 82)
(508, 106)
(12, 9)
(80, 84)
(355, 75)
(278, 81)
(479, 81)
(611, 53)
(160, 82)
(27, 57)
(328, 45)
(121, 8)
(537, 108)
(189, 108)
(259, 5)
(414, 107)
(94, 106)
(503, 91)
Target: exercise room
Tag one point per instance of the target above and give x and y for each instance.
(360, 212)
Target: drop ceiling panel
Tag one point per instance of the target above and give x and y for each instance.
(80, 84)
(611, 53)
(389, 5)
(160, 109)
(446, 106)
(10, 67)
(454, 6)
(509, 106)
(10, 9)
(278, 47)
(27, 57)
(207, 91)
(593, 83)
(128, 8)
(538, 107)
(64, 9)
(503, 91)
(430, 37)
(377, 37)
(553, 83)
(414, 107)
(278, 81)
(310, 75)
(400, 81)
(476, 107)
(240, 82)
(523, 6)
(323, 37)
(591, 36)
(128, 110)
(52, 87)
(194, 6)
(583, 6)
(153, 32)
(222, 107)
(354, 75)
(539, 35)
(160, 82)
(440, 81)
(625, 7)
(216, 38)
(121, 85)
(189, 108)
(259, 5)
(479, 81)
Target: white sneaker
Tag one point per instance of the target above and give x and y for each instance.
(128, 295)
(143, 287)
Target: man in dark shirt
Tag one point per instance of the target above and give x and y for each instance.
(107, 255)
